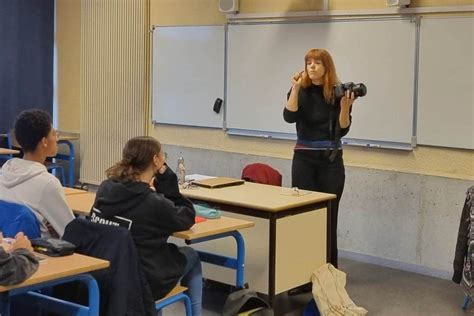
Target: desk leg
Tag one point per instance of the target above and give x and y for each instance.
(237, 264)
(328, 230)
(60, 306)
(272, 260)
(5, 304)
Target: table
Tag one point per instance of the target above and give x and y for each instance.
(8, 151)
(291, 237)
(68, 191)
(81, 204)
(211, 229)
(53, 271)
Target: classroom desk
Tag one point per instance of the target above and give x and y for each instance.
(58, 270)
(68, 191)
(211, 229)
(288, 225)
(81, 204)
(7, 151)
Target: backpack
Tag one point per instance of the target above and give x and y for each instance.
(246, 302)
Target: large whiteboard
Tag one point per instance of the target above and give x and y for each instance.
(446, 82)
(188, 75)
(379, 53)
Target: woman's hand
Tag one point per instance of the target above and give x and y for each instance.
(347, 100)
(297, 79)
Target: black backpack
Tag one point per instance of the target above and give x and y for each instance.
(246, 301)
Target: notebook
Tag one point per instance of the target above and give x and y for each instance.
(218, 182)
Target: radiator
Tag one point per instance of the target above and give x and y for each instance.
(115, 61)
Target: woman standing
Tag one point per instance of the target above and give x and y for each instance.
(321, 121)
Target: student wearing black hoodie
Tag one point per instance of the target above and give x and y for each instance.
(142, 194)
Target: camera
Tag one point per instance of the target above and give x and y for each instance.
(359, 89)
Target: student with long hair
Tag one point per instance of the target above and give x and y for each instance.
(321, 120)
(142, 194)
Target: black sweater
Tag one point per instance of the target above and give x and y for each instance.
(313, 115)
(153, 216)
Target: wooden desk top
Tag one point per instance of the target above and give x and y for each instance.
(258, 196)
(68, 191)
(59, 267)
(81, 204)
(6, 151)
(66, 137)
(213, 227)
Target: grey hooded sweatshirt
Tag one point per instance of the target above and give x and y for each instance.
(28, 182)
(17, 266)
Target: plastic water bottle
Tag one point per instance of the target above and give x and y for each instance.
(181, 171)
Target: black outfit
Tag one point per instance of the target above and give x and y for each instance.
(124, 289)
(318, 169)
(151, 218)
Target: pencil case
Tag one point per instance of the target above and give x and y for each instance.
(53, 247)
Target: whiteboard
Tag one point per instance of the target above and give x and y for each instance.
(188, 75)
(379, 53)
(446, 82)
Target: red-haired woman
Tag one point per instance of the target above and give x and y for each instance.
(321, 120)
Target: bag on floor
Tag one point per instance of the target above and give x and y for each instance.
(330, 294)
(246, 302)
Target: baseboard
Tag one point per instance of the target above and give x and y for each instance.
(394, 264)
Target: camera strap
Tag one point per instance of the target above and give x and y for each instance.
(335, 133)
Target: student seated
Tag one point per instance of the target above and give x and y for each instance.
(27, 181)
(17, 262)
(142, 194)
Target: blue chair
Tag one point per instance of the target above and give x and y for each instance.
(177, 294)
(16, 218)
(55, 167)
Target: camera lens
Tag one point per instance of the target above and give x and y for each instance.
(359, 90)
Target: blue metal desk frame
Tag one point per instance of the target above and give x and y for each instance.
(53, 304)
(237, 263)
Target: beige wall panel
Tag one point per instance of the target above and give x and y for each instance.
(300, 248)
(185, 12)
(68, 41)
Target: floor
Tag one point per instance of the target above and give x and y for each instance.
(382, 291)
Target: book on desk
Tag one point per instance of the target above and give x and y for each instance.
(218, 182)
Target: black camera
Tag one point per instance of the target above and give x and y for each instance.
(359, 89)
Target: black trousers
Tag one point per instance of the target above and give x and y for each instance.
(312, 170)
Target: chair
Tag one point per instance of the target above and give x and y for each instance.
(261, 173)
(177, 294)
(16, 218)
